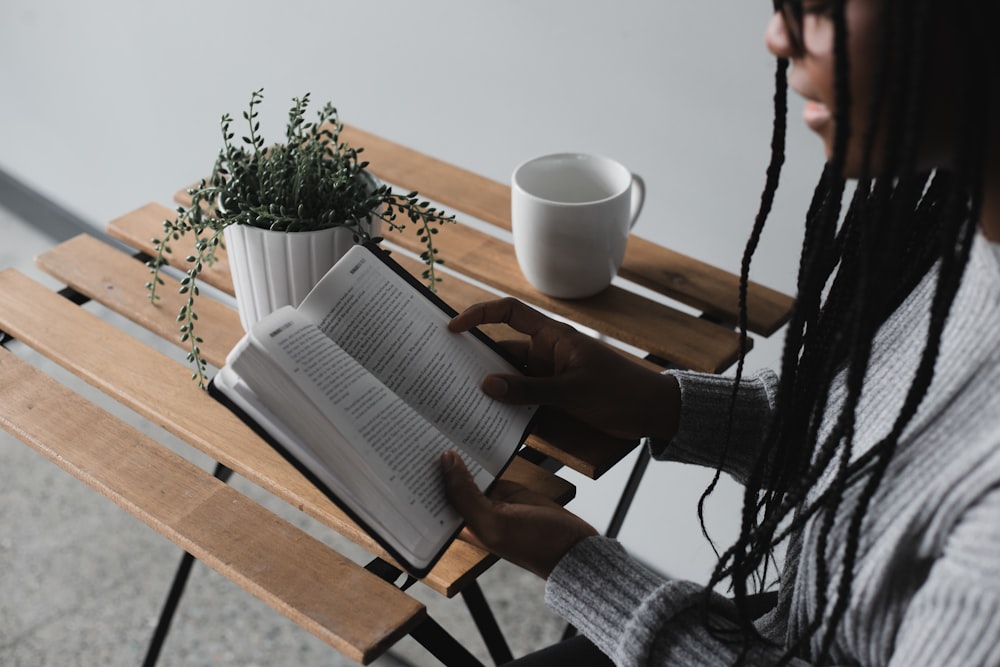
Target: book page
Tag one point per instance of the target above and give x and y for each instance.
(397, 443)
(400, 337)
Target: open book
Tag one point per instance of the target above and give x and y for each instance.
(362, 387)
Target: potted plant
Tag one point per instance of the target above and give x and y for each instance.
(285, 213)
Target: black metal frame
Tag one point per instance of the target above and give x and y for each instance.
(475, 601)
(428, 634)
(490, 631)
(442, 645)
(61, 224)
(176, 591)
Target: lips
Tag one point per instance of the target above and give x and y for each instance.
(816, 115)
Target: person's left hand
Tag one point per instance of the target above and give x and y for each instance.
(513, 522)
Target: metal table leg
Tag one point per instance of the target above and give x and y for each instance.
(474, 599)
(176, 591)
(443, 646)
(481, 613)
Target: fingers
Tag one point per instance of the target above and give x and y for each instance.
(546, 356)
(506, 491)
(466, 535)
(517, 349)
(463, 493)
(525, 390)
(514, 523)
(512, 312)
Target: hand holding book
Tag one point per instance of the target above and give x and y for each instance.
(362, 387)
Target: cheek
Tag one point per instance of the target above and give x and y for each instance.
(863, 54)
(862, 91)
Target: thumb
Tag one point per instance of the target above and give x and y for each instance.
(524, 390)
(462, 491)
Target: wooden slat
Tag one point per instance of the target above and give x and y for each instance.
(138, 228)
(683, 278)
(338, 601)
(116, 281)
(587, 450)
(576, 445)
(702, 286)
(680, 338)
(160, 389)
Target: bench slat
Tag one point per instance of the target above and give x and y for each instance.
(680, 338)
(160, 389)
(670, 273)
(115, 280)
(338, 601)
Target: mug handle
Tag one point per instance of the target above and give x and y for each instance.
(638, 198)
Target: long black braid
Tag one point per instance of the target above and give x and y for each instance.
(854, 270)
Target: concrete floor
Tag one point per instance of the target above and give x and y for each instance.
(82, 581)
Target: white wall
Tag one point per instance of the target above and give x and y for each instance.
(110, 104)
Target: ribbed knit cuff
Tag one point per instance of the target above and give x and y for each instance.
(611, 598)
(703, 427)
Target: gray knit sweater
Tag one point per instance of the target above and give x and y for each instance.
(927, 579)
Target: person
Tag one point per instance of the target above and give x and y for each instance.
(873, 457)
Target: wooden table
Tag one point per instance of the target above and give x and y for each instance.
(353, 608)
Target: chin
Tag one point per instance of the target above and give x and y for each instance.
(852, 162)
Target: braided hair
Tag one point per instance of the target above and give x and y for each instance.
(856, 266)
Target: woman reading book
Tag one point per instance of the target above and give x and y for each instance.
(873, 458)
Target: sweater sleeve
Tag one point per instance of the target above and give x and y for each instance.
(631, 613)
(639, 618)
(703, 428)
(954, 618)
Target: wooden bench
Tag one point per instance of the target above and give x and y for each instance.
(355, 611)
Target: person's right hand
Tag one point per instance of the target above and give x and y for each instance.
(577, 374)
(513, 522)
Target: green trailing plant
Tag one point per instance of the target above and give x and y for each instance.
(312, 181)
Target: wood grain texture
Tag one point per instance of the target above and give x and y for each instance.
(343, 604)
(670, 273)
(680, 338)
(115, 280)
(159, 389)
(338, 601)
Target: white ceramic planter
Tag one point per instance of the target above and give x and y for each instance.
(275, 269)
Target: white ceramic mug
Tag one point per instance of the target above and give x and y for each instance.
(571, 214)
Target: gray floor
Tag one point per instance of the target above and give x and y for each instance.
(82, 582)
